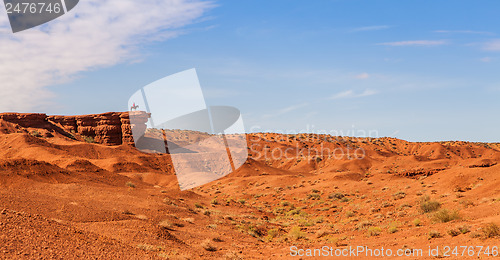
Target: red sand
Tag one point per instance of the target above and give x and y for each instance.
(65, 198)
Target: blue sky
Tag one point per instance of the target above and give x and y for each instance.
(415, 70)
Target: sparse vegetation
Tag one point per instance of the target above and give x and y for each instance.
(454, 232)
(399, 195)
(130, 184)
(427, 205)
(491, 230)
(434, 234)
(374, 231)
(166, 224)
(417, 222)
(296, 233)
(207, 245)
(35, 133)
(336, 195)
(392, 229)
(445, 215)
(88, 139)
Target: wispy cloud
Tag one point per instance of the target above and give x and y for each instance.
(416, 43)
(285, 110)
(95, 34)
(486, 59)
(464, 32)
(363, 76)
(371, 28)
(352, 94)
(493, 45)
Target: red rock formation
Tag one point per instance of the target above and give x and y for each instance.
(111, 128)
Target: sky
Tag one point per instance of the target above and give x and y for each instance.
(414, 70)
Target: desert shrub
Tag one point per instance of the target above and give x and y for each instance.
(242, 201)
(188, 220)
(130, 184)
(454, 232)
(214, 202)
(207, 245)
(398, 195)
(445, 215)
(296, 212)
(392, 229)
(349, 214)
(252, 230)
(434, 234)
(285, 203)
(88, 139)
(491, 230)
(296, 233)
(464, 229)
(35, 133)
(336, 195)
(427, 205)
(363, 224)
(313, 196)
(344, 199)
(148, 247)
(417, 222)
(374, 231)
(272, 233)
(198, 205)
(212, 226)
(232, 256)
(166, 224)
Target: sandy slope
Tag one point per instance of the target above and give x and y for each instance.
(64, 198)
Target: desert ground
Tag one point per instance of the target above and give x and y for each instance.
(72, 190)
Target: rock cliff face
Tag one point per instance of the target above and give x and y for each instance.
(113, 128)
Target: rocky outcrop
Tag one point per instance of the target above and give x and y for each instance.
(113, 128)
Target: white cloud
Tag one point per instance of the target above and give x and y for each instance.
(486, 59)
(363, 76)
(493, 45)
(95, 34)
(352, 94)
(464, 32)
(285, 110)
(371, 28)
(415, 43)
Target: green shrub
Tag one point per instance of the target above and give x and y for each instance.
(417, 222)
(130, 184)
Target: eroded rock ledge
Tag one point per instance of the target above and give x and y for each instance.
(112, 128)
